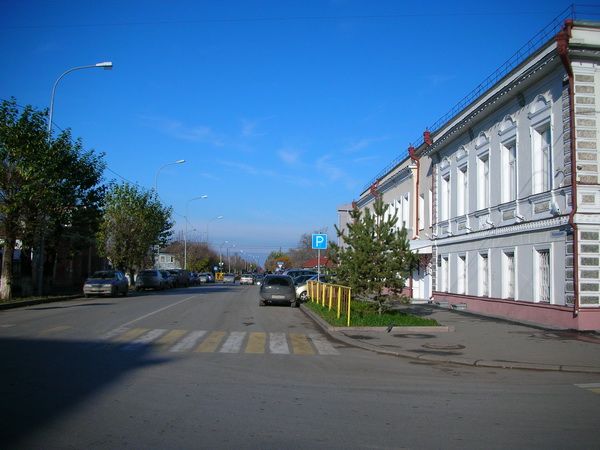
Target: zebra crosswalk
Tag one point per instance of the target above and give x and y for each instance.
(592, 387)
(205, 341)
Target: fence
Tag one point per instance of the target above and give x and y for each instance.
(332, 296)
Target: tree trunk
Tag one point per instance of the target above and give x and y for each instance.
(7, 268)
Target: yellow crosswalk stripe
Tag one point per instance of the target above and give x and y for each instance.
(300, 344)
(256, 342)
(170, 338)
(131, 334)
(211, 343)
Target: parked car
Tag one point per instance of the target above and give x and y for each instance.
(278, 289)
(297, 272)
(258, 278)
(302, 287)
(202, 277)
(169, 278)
(183, 277)
(300, 279)
(194, 278)
(150, 279)
(106, 282)
(246, 278)
(229, 278)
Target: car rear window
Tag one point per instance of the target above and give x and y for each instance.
(278, 282)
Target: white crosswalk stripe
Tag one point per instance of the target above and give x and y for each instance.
(278, 344)
(179, 341)
(188, 342)
(145, 339)
(322, 345)
(234, 342)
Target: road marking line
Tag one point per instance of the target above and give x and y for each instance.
(234, 342)
(170, 338)
(55, 330)
(145, 339)
(131, 334)
(322, 345)
(278, 344)
(211, 343)
(157, 311)
(300, 345)
(256, 342)
(588, 385)
(188, 342)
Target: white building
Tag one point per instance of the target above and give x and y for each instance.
(517, 200)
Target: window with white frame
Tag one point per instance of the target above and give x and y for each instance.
(508, 274)
(509, 171)
(421, 211)
(445, 282)
(461, 269)
(430, 209)
(445, 197)
(406, 211)
(542, 273)
(483, 177)
(541, 146)
(484, 275)
(463, 191)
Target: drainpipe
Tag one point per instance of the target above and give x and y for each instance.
(562, 47)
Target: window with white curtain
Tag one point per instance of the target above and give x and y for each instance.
(541, 145)
(483, 177)
(445, 197)
(461, 269)
(509, 171)
(421, 211)
(484, 273)
(543, 275)
(508, 274)
(463, 191)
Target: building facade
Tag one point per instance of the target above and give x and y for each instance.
(504, 193)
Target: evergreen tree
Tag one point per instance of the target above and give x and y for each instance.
(376, 257)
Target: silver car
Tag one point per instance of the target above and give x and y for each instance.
(229, 278)
(278, 289)
(106, 282)
(150, 279)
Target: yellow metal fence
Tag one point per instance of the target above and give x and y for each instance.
(332, 296)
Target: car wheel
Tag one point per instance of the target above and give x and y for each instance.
(125, 292)
(304, 296)
(261, 303)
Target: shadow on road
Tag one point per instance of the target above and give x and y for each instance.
(41, 380)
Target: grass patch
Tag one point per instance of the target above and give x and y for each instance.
(363, 314)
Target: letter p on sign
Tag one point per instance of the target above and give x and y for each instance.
(319, 241)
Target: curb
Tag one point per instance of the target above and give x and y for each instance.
(39, 301)
(334, 333)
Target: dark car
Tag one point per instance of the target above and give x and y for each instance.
(278, 289)
(183, 277)
(150, 279)
(170, 279)
(106, 282)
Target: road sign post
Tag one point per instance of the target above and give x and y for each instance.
(319, 242)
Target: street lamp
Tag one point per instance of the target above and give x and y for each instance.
(104, 65)
(208, 223)
(221, 253)
(229, 259)
(39, 265)
(201, 197)
(179, 161)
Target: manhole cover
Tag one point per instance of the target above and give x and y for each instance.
(444, 346)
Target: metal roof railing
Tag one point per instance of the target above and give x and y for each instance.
(533, 45)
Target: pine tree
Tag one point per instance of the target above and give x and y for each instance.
(376, 257)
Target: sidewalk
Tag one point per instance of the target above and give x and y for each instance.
(474, 340)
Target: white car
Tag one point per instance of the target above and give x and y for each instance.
(247, 279)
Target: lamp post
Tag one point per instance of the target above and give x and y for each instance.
(221, 253)
(103, 65)
(39, 269)
(208, 223)
(179, 161)
(228, 258)
(201, 197)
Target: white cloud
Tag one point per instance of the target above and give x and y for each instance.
(178, 130)
(288, 156)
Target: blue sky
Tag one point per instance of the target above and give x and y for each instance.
(283, 110)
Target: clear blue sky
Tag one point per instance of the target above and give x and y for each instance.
(282, 109)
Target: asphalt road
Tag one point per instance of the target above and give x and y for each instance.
(206, 367)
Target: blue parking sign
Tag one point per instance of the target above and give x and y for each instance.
(319, 241)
